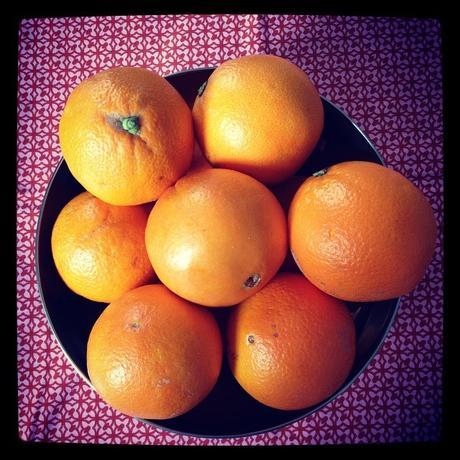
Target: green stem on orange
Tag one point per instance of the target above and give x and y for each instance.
(322, 172)
(202, 88)
(131, 124)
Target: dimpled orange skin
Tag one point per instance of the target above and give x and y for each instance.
(216, 237)
(260, 115)
(154, 355)
(362, 232)
(291, 346)
(116, 166)
(99, 249)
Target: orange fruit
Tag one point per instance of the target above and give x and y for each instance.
(290, 345)
(126, 135)
(260, 115)
(154, 355)
(361, 232)
(99, 249)
(216, 237)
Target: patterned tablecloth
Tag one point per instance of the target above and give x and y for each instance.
(384, 72)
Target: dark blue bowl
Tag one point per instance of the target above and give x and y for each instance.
(228, 410)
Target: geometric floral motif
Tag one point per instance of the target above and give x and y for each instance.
(385, 73)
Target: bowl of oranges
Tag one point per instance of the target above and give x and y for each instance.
(221, 252)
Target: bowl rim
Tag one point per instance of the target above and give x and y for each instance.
(389, 325)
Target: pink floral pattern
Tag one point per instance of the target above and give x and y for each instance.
(384, 72)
